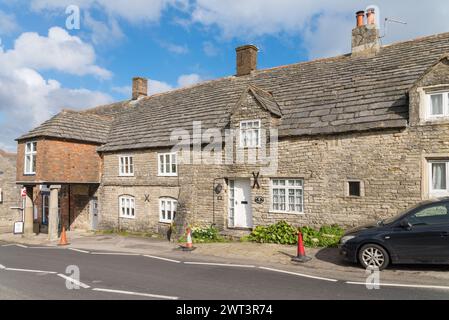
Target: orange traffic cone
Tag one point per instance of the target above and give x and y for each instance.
(63, 241)
(189, 244)
(301, 257)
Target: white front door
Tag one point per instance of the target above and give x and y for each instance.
(240, 209)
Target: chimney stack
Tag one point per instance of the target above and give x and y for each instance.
(365, 37)
(246, 60)
(140, 87)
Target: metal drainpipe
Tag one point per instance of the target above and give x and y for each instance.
(213, 201)
(69, 192)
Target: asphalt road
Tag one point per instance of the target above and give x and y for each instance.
(38, 273)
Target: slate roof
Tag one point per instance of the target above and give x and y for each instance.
(72, 125)
(335, 95)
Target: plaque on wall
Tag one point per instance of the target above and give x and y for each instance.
(18, 227)
(260, 200)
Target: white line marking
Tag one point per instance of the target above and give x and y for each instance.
(45, 248)
(164, 259)
(21, 245)
(115, 254)
(402, 285)
(2, 267)
(32, 271)
(221, 264)
(8, 245)
(79, 250)
(75, 282)
(299, 274)
(136, 294)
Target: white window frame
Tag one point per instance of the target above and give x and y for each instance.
(429, 115)
(163, 205)
(243, 133)
(162, 167)
(122, 166)
(127, 207)
(28, 170)
(287, 200)
(433, 192)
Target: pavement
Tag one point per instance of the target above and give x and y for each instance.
(236, 267)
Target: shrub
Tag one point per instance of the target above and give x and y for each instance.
(202, 235)
(280, 233)
(283, 233)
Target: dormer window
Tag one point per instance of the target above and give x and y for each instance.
(30, 158)
(438, 105)
(250, 134)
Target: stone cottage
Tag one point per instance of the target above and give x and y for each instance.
(342, 140)
(10, 199)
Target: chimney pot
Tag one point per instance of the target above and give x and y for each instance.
(246, 59)
(140, 87)
(371, 16)
(360, 18)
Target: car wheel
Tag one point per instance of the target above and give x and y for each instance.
(373, 256)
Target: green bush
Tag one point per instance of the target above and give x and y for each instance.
(280, 233)
(283, 233)
(203, 235)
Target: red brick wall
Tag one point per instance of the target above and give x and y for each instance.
(61, 161)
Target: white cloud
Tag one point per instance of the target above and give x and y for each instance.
(8, 23)
(188, 80)
(133, 11)
(174, 48)
(324, 25)
(58, 51)
(26, 97)
(103, 33)
(210, 49)
(155, 87)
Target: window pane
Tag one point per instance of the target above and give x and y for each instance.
(282, 199)
(27, 164)
(167, 163)
(173, 163)
(161, 163)
(34, 146)
(163, 209)
(354, 189)
(291, 200)
(437, 104)
(33, 168)
(439, 176)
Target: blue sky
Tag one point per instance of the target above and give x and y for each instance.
(45, 67)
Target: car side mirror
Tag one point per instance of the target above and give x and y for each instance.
(406, 224)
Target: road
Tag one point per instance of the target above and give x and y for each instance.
(38, 273)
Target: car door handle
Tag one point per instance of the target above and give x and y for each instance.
(244, 202)
(445, 234)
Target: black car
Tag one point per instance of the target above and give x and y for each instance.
(420, 235)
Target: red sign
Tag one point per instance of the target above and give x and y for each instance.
(23, 192)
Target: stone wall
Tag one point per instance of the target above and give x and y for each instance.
(391, 164)
(10, 192)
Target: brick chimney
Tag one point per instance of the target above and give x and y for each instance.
(365, 37)
(246, 60)
(140, 87)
